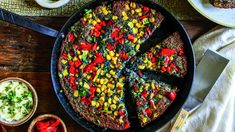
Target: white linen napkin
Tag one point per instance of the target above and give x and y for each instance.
(217, 113)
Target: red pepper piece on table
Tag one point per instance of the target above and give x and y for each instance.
(149, 112)
(167, 52)
(56, 123)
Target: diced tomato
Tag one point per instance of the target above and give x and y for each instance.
(168, 69)
(89, 67)
(71, 53)
(121, 41)
(131, 37)
(99, 58)
(153, 59)
(167, 52)
(85, 46)
(149, 112)
(94, 47)
(91, 32)
(166, 60)
(71, 63)
(163, 69)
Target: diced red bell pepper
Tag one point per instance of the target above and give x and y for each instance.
(98, 27)
(168, 69)
(77, 63)
(102, 23)
(85, 46)
(99, 58)
(71, 63)
(148, 31)
(121, 113)
(110, 47)
(72, 70)
(140, 73)
(91, 32)
(150, 54)
(146, 9)
(127, 125)
(153, 59)
(131, 37)
(94, 47)
(167, 52)
(172, 95)
(149, 112)
(181, 52)
(121, 41)
(144, 16)
(144, 94)
(92, 89)
(110, 22)
(166, 60)
(71, 53)
(89, 67)
(123, 55)
(163, 69)
(42, 125)
(156, 91)
(152, 104)
(97, 34)
(71, 37)
(64, 56)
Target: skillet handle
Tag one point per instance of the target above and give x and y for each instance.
(182, 117)
(27, 23)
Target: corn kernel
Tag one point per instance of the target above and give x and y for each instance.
(125, 18)
(108, 57)
(75, 94)
(108, 75)
(134, 21)
(86, 86)
(127, 7)
(137, 47)
(89, 16)
(140, 14)
(93, 103)
(109, 112)
(101, 100)
(130, 24)
(110, 101)
(171, 58)
(141, 67)
(113, 106)
(105, 104)
(115, 18)
(141, 34)
(110, 93)
(152, 19)
(112, 72)
(138, 25)
(124, 14)
(145, 119)
(121, 121)
(65, 72)
(106, 81)
(114, 102)
(111, 53)
(133, 5)
(98, 90)
(120, 85)
(115, 113)
(138, 10)
(97, 104)
(116, 98)
(105, 12)
(135, 40)
(132, 12)
(135, 30)
(80, 83)
(120, 106)
(110, 85)
(114, 60)
(75, 59)
(155, 115)
(152, 85)
(151, 95)
(112, 66)
(103, 87)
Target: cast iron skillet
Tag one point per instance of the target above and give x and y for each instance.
(169, 25)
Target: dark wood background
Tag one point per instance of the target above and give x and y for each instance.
(26, 54)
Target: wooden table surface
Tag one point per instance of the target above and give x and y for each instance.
(26, 54)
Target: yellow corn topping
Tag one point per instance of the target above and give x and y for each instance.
(75, 94)
(130, 24)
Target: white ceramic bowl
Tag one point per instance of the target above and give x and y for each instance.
(52, 3)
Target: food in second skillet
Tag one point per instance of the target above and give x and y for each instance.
(152, 98)
(223, 3)
(93, 54)
(166, 57)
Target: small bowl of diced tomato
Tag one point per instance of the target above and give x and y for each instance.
(47, 123)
